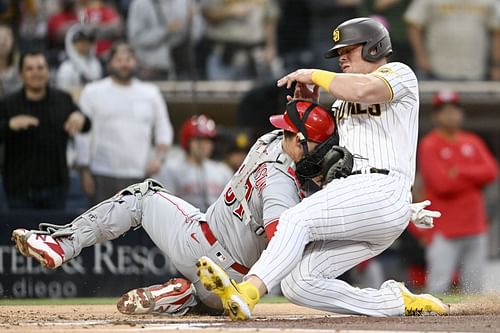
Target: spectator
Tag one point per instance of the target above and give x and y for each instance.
(160, 32)
(242, 35)
(237, 149)
(455, 167)
(59, 24)
(32, 30)
(451, 39)
(82, 66)
(127, 115)
(392, 12)
(103, 22)
(35, 124)
(195, 177)
(9, 76)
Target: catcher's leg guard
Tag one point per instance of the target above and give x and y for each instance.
(105, 221)
(175, 298)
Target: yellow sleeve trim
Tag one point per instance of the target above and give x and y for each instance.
(323, 78)
(387, 84)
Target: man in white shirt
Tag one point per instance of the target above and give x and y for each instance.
(128, 115)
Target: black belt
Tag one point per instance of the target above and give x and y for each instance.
(371, 170)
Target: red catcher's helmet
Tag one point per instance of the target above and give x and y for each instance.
(317, 123)
(445, 97)
(197, 127)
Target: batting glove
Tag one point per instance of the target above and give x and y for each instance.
(421, 217)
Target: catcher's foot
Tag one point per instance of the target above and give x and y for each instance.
(422, 304)
(238, 299)
(175, 297)
(43, 248)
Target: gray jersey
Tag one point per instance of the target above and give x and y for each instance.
(200, 185)
(269, 190)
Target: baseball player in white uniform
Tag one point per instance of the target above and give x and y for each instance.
(232, 232)
(354, 218)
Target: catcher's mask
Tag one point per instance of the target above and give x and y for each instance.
(311, 122)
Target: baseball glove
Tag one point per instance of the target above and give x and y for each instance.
(337, 163)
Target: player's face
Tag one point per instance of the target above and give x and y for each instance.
(299, 150)
(201, 148)
(450, 117)
(351, 61)
(35, 72)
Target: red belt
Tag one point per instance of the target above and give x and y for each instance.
(212, 240)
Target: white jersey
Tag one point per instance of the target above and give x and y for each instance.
(384, 135)
(200, 185)
(270, 190)
(355, 218)
(126, 119)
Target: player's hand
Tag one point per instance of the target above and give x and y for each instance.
(22, 122)
(75, 123)
(300, 76)
(421, 217)
(302, 91)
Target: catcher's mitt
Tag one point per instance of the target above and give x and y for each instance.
(337, 163)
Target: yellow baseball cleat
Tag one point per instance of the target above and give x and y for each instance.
(238, 299)
(422, 304)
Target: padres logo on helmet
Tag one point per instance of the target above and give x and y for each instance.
(365, 31)
(336, 35)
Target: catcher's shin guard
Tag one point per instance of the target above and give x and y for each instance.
(175, 297)
(238, 299)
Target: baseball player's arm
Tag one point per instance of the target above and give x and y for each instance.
(279, 194)
(361, 88)
(437, 175)
(484, 170)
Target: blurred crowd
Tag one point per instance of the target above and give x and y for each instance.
(243, 39)
(80, 121)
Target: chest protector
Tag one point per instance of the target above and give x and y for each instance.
(259, 154)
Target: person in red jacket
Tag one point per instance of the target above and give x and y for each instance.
(455, 166)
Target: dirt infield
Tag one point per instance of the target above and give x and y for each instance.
(480, 316)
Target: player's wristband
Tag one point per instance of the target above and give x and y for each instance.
(323, 78)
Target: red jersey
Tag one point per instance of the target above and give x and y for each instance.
(453, 173)
(101, 16)
(57, 22)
